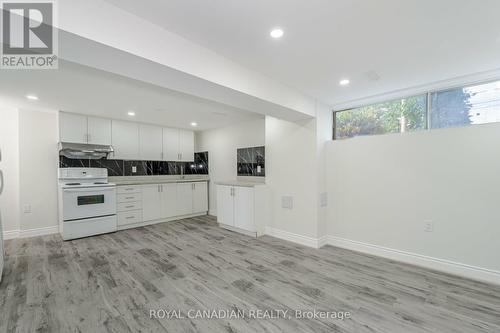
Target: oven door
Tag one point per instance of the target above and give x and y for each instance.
(82, 203)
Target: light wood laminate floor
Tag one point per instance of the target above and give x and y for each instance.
(109, 283)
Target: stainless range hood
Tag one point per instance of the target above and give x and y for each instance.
(79, 150)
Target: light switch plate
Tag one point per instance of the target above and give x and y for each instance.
(323, 199)
(27, 209)
(287, 202)
(428, 226)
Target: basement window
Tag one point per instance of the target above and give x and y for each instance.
(462, 106)
(396, 116)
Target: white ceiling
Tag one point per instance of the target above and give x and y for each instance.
(79, 89)
(406, 43)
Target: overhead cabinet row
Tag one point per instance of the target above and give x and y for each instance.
(131, 141)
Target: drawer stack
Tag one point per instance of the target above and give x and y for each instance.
(129, 205)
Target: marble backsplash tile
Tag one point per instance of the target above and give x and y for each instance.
(251, 161)
(141, 168)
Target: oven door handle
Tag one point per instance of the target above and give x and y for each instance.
(90, 189)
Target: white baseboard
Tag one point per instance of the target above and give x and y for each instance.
(212, 212)
(446, 266)
(295, 238)
(11, 234)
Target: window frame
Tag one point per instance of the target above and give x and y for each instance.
(428, 113)
(427, 124)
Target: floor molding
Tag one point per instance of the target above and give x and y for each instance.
(446, 266)
(295, 238)
(11, 234)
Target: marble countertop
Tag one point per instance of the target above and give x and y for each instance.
(140, 180)
(240, 183)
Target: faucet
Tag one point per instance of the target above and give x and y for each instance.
(182, 172)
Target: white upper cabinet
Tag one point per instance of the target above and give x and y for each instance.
(72, 128)
(170, 144)
(150, 143)
(178, 145)
(125, 140)
(186, 146)
(77, 128)
(99, 131)
(130, 140)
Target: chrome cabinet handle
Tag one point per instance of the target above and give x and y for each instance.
(130, 217)
(1, 182)
(129, 206)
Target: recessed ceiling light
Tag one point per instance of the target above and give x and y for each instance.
(277, 33)
(32, 97)
(194, 124)
(344, 82)
(131, 113)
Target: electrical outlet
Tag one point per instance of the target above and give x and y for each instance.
(287, 202)
(27, 209)
(134, 169)
(428, 226)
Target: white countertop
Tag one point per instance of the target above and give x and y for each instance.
(139, 180)
(241, 183)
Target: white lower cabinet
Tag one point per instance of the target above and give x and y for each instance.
(170, 200)
(151, 202)
(225, 205)
(200, 197)
(184, 198)
(128, 205)
(242, 208)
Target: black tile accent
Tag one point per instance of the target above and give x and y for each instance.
(199, 166)
(65, 162)
(250, 159)
(115, 167)
(144, 168)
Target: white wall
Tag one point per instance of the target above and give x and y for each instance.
(221, 145)
(9, 144)
(292, 170)
(38, 163)
(383, 188)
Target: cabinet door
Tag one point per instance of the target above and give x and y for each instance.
(186, 145)
(99, 131)
(150, 142)
(72, 128)
(170, 144)
(125, 141)
(151, 202)
(169, 200)
(225, 205)
(244, 209)
(200, 197)
(184, 198)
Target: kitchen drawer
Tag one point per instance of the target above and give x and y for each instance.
(128, 189)
(128, 206)
(129, 197)
(125, 218)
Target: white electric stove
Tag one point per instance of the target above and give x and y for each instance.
(87, 202)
